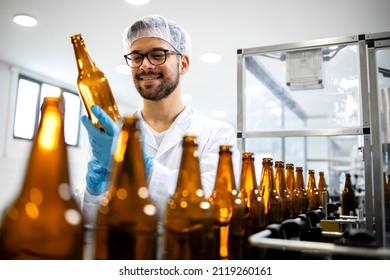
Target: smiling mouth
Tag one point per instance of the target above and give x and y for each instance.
(149, 78)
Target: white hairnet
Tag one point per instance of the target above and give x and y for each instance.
(158, 27)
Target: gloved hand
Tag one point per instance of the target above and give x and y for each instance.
(96, 178)
(148, 160)
(101, 142)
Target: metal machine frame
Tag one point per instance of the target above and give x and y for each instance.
(367, 45)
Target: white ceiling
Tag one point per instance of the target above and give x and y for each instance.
(222, 26)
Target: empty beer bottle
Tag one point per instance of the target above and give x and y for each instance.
(348, 199)
(237, 227)
(126, 224)
(312, 191)
(222, 197)
(237, 221)
(255, 217)
(295, 196)
(300, 184)
(272, 201)
(281, 187)
(92, 83)
(322, 187)
(45, 222)
(190, 218)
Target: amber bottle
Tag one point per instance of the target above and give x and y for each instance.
(222, 197)
(281, 187)
(45, 222)
(312, 191)
(190, 218)
(237, 227)
(126, 224)
(294, 191)
(92, 83)
(255, 207)
(272, 200)
(322, 187)
(348, 199)
(300, 185)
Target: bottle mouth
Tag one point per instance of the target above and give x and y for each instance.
(77, 38)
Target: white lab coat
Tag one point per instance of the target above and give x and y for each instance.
(162, 180)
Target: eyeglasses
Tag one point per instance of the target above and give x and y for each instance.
(155, 57)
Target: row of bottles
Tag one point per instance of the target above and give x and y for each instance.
(196, 227)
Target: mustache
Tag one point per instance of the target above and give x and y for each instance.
(149, 72)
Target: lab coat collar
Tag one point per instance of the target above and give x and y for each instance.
(180, 127)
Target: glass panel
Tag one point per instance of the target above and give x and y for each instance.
(26, 108)
(335, 155)
(48, 91)
(72, 118)
(383, 63)
(310, 88)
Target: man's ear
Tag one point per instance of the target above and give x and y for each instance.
(185, 64)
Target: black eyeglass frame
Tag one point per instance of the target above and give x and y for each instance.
(143, 55)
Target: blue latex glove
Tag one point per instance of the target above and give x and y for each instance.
(148, 160)
(101, 142)
(96, 178)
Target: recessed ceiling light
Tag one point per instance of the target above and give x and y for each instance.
(123, 69)
(25, 20)
(138, 2)
(211, 57)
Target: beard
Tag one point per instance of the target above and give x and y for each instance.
(162, 91)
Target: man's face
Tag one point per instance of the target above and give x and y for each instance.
(155, 82)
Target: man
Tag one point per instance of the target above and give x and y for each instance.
(158, 52)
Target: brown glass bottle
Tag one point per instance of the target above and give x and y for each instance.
(126, 225)
(237, 221)
(294, 191)
(348, 202)
(237, 227)
(190, 218)
(45, 222)
(222, 197)
(271, 197)
(92, 83)
(322, 187)
(312, 191)
(300, 185)
(255, 207)
(281, 187)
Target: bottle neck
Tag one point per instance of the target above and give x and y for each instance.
(299, 183)
(47, 167)
(128, 167)
(267, 178)
(348, 183)
(311, 182)
(280, 179)
(248, 176)
(321, 182)
(83, 56)
(189, 173)
(290, 179)
(225, 170)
